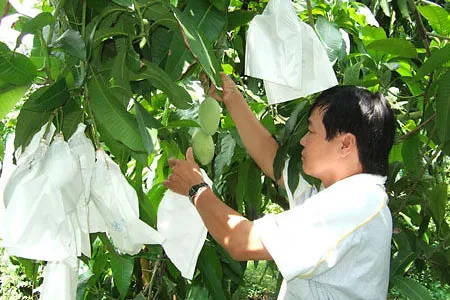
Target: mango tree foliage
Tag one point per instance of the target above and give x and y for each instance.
(127, 68)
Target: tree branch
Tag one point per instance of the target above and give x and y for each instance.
(417, 128)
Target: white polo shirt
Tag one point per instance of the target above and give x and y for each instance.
(332, 244)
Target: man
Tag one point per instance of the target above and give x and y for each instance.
(332, 244)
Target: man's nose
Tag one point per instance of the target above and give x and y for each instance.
(302, 140)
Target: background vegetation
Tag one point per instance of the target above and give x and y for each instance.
(129, 69)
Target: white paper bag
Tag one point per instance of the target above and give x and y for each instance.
(40, 217)
(183, 230)
(118, 204)
(60, 280)
(287, 54)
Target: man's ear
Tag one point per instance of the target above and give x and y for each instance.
(348, 144)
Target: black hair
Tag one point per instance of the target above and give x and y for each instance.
(351, 109)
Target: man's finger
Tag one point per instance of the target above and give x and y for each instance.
(172, 162)
(190, 155)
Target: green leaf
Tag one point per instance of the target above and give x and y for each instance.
(351, 74)
(206, 19)
(241, 188)
(145, 125)
(411, 288)
(109, 112)
(122, 270)
(437, 203)
(279, 161)
(198, 292)
(211, 271)
(182, 123)
(28, 124)
(253, 185)
(437, 59)
(160, 12)
(178, 96)
(293, 168)
(330, 36)
(73, 115)
(403, 7)
(437, 17)
(72, 43)
(394, 46)
(37, 23)
(411, 154)
(226, 151)
(238, 18)
(83, 284)
(405, 255)
(371, 33)
(199, 46)
(125, 3)
(294, 120)
(151, 203)
(220, 4)
(52, 97)
(443, 108)
(9, 96)
(15, 68)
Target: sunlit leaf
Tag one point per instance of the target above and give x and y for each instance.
(394, 46)
(9, 96)
(437, 17)
(438, 58)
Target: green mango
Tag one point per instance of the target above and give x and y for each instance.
(209, 115)
(203, 147)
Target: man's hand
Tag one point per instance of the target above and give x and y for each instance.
(185, 174)
(229, 89)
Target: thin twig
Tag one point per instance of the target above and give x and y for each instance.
(152, 279)
(310, 14)
(439, 36)
(417, 128)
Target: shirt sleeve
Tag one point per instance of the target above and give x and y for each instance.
(311, 238)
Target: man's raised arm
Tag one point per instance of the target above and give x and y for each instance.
(258, 141)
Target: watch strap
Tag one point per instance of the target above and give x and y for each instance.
(194, 189)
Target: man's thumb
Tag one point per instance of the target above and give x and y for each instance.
(190, 155)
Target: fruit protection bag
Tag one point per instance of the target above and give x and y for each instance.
(183, 230)
(8, 168)
(60, 280)
(41, 198)
(89, 217)
(287, 54)
(118, 205)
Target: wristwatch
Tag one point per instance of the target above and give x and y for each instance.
(194, 189)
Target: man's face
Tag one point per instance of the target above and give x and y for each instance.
(319, 156)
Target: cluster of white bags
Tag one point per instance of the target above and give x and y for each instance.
(58, 194)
